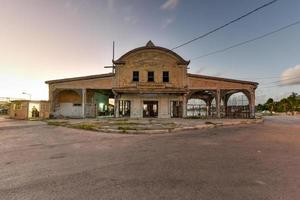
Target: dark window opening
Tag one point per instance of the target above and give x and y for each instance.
(135, 76)
(176, 109)
(150, 76)
(165, 76)
(124, 108)
(150, 109)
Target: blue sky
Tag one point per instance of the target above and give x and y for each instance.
(45, 39)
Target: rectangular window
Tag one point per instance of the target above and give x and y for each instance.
(165, 76)
(150, 76)
(135, 76)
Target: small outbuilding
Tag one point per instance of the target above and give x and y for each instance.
(27, 109)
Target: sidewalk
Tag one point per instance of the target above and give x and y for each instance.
(149, 126)
(6, 123)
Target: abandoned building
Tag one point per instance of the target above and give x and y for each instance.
(149, 81)
(27, 109)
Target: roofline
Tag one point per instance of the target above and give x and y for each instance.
(80, 78)
(222, 79)
(182, 61)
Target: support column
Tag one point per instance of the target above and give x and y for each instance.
(117, 101)
(51, 99)
(225, 100)
(208, 107)
(252, 104)
(218, 103)
(184, 109)
(83, 101)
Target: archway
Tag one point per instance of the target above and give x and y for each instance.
(237, 104)
(199, 104)
(67, 103)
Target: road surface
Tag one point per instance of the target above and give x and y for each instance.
(255, 162)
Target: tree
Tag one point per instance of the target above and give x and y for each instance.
(270, 104)
(294, 101)
(285, 105)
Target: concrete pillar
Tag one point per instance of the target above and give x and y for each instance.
(218, 103)
(83, 95)
(117, 101)
(184, 109)
(225, 100)
(51, 99)
(252, 104)
(208, 107)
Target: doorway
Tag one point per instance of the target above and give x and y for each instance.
(150, 109)
(176, 109)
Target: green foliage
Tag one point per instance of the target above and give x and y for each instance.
(289, 104)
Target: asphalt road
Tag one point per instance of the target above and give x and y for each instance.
(255, 162)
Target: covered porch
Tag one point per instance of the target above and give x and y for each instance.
(82, 103)
(220, 103)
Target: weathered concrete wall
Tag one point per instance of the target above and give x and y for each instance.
(68, 96)
(96, 83)
(19, 110)
(195, 83)
(150, 60)
(44, 110)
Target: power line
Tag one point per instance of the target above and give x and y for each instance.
(227, 24)
(264, 87)
(267, 77)
(282, 80)
(247, 41)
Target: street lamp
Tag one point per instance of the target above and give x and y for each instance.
(27, 94)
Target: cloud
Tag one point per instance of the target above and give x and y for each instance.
(166, 22)
(291, 76)
(169, 4)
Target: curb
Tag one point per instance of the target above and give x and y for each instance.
(178, 129)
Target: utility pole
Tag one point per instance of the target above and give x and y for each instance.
(113, 59)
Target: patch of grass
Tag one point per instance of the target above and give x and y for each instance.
(57, 123)
(196, 117)
(123, 128)
(84, 126)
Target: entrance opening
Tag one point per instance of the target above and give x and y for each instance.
(176, 109)
(238, 106)
(33, 110)
(197, 108)
(124, 108)
(150, 109)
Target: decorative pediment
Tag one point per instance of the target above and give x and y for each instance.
(150, 44)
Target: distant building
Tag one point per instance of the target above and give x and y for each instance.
(27, 109)
(148, 81)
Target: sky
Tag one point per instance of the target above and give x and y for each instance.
(51, 39)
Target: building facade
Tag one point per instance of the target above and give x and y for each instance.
(148, 81)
